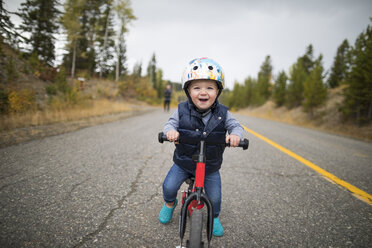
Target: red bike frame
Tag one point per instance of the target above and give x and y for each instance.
(198, 183)
(199, 175)
(197, 199)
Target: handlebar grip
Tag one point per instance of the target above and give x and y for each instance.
(162, 137)
(244, 144)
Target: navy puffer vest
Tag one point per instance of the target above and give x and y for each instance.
(192, 130)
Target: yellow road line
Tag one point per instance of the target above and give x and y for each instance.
(358, 192)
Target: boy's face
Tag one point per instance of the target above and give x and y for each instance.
(203, 93)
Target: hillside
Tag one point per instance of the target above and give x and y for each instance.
(16, 74)
(326, 118)
(28, 111)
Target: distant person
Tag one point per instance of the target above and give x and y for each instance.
(201, 116)
(167, 97)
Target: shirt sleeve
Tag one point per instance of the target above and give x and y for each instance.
(233, 126)
(172, 123)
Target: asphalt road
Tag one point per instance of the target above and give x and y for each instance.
(102, 187)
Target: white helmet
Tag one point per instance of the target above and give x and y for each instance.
(203, 68)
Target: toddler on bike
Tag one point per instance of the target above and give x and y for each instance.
(200, 117)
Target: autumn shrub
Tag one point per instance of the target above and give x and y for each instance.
(145, 92)
(21, 101)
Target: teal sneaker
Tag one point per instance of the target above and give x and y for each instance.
(166, 213)
(217, 228)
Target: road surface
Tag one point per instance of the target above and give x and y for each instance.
(102, 187)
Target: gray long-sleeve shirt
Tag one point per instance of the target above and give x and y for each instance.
(231, 124)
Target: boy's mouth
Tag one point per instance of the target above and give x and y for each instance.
(203, 99)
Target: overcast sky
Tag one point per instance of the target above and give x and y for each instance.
(238, 34)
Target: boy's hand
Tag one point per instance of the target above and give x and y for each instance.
(173, 135)
(233, 139)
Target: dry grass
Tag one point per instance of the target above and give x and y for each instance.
(49, 116)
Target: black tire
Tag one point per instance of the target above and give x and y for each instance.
(196, 229)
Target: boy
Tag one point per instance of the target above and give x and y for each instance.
(201, 117)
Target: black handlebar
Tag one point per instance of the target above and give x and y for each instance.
(243, 143)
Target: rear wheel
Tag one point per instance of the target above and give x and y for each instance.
(196, 229)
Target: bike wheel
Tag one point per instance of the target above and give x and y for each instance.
(196, 229)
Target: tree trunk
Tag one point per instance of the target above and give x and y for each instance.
(117, 65)
(369, 116)
(358, 113)
(73, 61)
(104, 43)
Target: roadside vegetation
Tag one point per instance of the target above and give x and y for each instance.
(28, 100)
(93, 78)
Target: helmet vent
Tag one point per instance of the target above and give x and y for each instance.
(195, 68)
(210, 67)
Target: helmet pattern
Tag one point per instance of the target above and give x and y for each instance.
(203, 68)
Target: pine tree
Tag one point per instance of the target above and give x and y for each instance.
(88, 12)
(160, 87)
(264, 76)
(125, 15)
(251, 95)
(87, 52)
(307, 59)
(279, 91)
(39, 18)
(358, 94)
(105, 38)
(340, 65)
(315, 92)
(151, 71)
(7, 29)
(121, 67)
(137, 70)
(237, 97)
(297, 76)
(70, 21)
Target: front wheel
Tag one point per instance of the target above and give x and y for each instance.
(196, 229)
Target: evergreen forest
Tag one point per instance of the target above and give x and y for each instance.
(95, 47)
